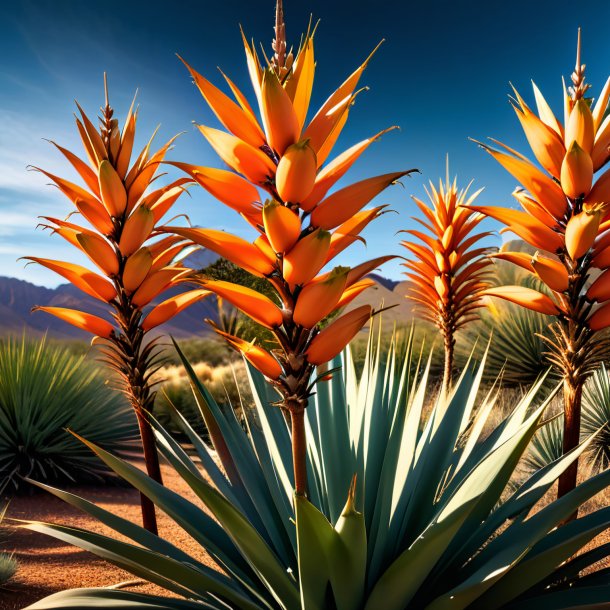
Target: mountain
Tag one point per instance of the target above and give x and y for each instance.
(17, 297)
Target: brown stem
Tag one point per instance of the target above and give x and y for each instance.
(572, 393)
(448, 368)
(299, 450)
(153, 468)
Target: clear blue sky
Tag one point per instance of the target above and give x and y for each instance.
(443, 75)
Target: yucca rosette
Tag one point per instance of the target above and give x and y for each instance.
(134, 264)
(565, 216)
(449, 268)
(279, 181)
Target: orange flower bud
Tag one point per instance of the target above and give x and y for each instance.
(100, 252)
(551, 272)
(112, 190)
(576, 172)
(80, 319)
(137, 230)
(262, 243)
(296, 172)
(254, 304)
(319, 298)
(166, 310)
(600, 288)
(329, 342)
(581, 232)
(280, 121)
(136, 269)
(344, 203)
(580, 127)
(525, 297)
(89, 282)
(282, 226)
(156, 283)
(442, 286)
(307, 257)
(96, 214)
(600, 318)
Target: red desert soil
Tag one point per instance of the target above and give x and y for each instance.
(47, 566)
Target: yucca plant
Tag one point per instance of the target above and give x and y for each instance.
(448, 275)
(566, 218)
(121, 213)
(44, 391)
(406, 510)
(278, 182)
(8, 564)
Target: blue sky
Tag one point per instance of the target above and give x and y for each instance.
(443, 76)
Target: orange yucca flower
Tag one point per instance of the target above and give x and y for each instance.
(132, 267)
(567, 218)
(278, 182)
(448, 274)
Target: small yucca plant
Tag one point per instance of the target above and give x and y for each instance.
(449, 273)
(278, 182)
(121, 214)
(566, 218)
(44, 392)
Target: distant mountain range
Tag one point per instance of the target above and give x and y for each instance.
(17, 297)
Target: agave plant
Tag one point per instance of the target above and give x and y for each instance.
(566, 218)
(121, 212)
(405, 510)
(44, 390)
(448, 275)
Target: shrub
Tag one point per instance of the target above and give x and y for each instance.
(425, 524)
(8, 565)
(45, 390)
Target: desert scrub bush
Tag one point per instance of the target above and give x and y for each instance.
(8, 565)
(44, 391)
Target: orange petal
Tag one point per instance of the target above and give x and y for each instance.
(254, 304)
(363, 269)
(545, 113)
(600, 193)
(81, 319)
(279, 118)
(307, 257)
(252, 163)
(344, 203)
(100, 252)
(333, 339)
(168, 256)
(525, 226)
(601, 104)
(581, 232)
(296, 173)
(227, 187)
(580, 127)
(525, 297)
(337, 168)
(137, 230)
(545, 142)
(542, 188)
(576, 172)
(353, 291)
(348, 232)
(166, 310)
(112, 189)
(552, 272)
(136, 269)
(156, 283)
(89, 282)
(520, 259)
(533, 208)
(85, 172)
(163, 201)
(282, 226)
(93, 137)
(601, 152)
(96, 214)
(231, 247)
(232, 116)
(300, 83)
(127, 139)
(318, 299)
